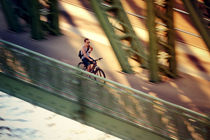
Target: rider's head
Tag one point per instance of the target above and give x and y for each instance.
(87, 41)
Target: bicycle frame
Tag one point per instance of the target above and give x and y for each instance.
(94, 68)
(94, 65)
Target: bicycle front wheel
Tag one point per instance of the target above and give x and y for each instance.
(100, 73)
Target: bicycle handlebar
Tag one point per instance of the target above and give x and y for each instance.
(98, 59)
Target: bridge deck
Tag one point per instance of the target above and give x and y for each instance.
(108, 106)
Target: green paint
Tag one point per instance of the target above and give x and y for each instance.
(153, 50)
(10, 15)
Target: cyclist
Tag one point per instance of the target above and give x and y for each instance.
(86, 50)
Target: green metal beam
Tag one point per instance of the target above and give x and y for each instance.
(171, 38)
(198, 21)
(136, 44)
(36, 27)
(162, 41)
(120, 32)
(153, 50)
(119, 52)
(10, 15)
(53, 17)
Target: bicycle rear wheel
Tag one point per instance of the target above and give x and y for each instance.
(81, 66)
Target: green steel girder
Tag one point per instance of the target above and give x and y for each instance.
(53, 18)
(158, 45)
(171, 38)
(36, 27)
(153, 50)
(121, 30)
(30, 11)
(198, 20)
(135, 43)
(109, 31)
(113, 10)
(10, 15)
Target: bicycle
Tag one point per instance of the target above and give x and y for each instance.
(95, 68)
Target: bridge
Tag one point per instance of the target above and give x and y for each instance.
(104, 104)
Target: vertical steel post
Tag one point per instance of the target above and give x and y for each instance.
(171, 38)
(153, 65)
(10, 15)
(36, 29)
(53, 17)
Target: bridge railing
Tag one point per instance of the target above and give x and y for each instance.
(102, 95)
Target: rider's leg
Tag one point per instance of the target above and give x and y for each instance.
(87, 64)
(89, 68)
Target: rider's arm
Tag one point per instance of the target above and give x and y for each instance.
(90, 49)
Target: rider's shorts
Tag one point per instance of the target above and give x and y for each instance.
(87, 62)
